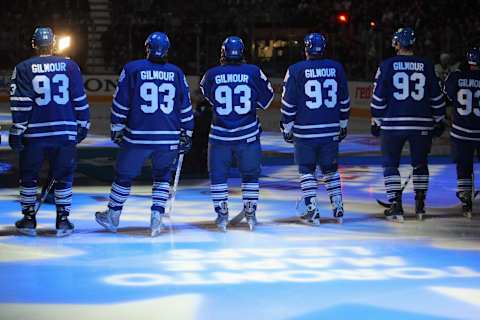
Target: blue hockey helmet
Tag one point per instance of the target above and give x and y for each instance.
(473, 55)
(43, 37)
(157, 44)
(315, 43)
(232, 47)
(405, 36)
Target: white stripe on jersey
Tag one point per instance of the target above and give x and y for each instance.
(315, 126)
(20, 99)
(345, 101)
(80, 98)
(438, 106)
(374, 106)
(120, 106)
(318, 135)
(82, 107)
(268, 103)
(287, 104)
(48, 134)
(377, 98)
(436, 98)
(407, 119)
(118, 114)
(150, 132)
(345, 109)
(288, 113)
(235, 138)
(150, 141)
(406, 128)
(186, 109)
(236, 129)
(465, 129)
(187, 119)
(20, 108)
(53, 123)
(463, 138)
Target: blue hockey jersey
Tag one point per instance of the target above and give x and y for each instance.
(463, 89)
(315, 98)
(48, 99)
(235, 92)
(407, 98)
(152, 104)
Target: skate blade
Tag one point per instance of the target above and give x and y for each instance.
(156, 231)
(28, 232)
(339, 220)
(420, 216)
(222, 227)
(251, 225)
(64, 232)
(398, 219)
(468, 215)
(315, 222)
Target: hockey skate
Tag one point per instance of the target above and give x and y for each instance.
(395, 212)
(420, 204)
(222, 216)
(250, 208)
(466, 199)
(311, 216)
(28, 223)
(156, 223)
(337, 207)
(108, 219)
(63, 226)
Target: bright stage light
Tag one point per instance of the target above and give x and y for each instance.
(64, 43)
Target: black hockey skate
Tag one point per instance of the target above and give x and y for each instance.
(311, 216)
(28, 224)
(337, 207)
(63, 226)
(395, 212)
(222, 216)
(420, 204)
(466, 198)
(250, 208)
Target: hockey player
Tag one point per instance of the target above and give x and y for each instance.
(235, 90)
(50, 115)
(463, 89)
(315, 112)
(151, 116)
(407, 105)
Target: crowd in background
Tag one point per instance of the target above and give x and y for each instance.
(197, 28)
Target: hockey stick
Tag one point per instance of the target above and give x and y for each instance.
(237, 218)
(387, 204)
(175, 185)
(42, 199)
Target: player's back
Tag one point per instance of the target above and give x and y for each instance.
(154, 99)
(236, 91)
(408, 85)
(463, 89)
(51, 89)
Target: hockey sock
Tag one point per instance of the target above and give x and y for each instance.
(332, 184)
(309, 187)
(465, 185)
(63, 194)
(118, 195)
(393, 186)
(219, 193)
(420, 182)
(160, 192)
(250, 191)
(28, 195)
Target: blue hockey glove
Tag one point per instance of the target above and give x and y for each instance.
(343, 134)
(185, 142)
(438, 129)
(375, 129)
(81, 133)
(287, 131)
(15, 139)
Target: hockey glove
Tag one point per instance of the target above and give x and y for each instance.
(185, 142)
(287, 131)
(343, 134)
(15, 139)
(438, 129)
(81, 133)
(375, 129)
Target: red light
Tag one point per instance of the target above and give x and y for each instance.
(342, 18)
